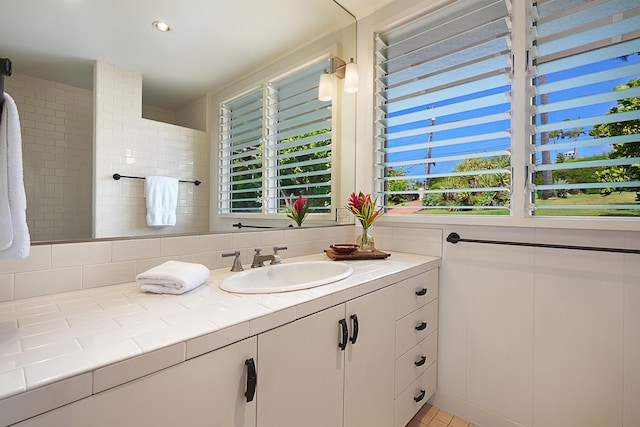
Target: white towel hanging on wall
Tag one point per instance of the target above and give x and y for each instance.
(161, 193)
(14, 233)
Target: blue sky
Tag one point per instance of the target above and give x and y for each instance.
(573, 112)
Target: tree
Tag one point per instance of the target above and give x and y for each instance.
(621, 173)
(399, 185)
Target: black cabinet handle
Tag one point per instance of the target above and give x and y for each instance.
(422, 326)
(421, 292)
(345, 334)
(356, 327)
(421, 361)
(252, 379)
(420, 396)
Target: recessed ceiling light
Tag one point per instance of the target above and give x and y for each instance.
(161, 26)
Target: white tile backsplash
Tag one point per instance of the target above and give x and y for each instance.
(52, 281)
(96, 264)
(77, 254)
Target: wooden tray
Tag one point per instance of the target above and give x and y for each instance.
(376, 254)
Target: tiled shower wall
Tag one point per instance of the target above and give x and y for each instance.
(130, 145)
(57, 142)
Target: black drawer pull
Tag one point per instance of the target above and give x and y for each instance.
(345, 334)
(356, 328)
(421, 361)
(422, 292)
(252, 379)
(422, 326)
(420, 397)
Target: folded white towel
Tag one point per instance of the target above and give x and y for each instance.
(161, 193)
(173, 277)
(14, 232)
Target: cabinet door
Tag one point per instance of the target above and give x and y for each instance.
(369, 368)
(205, 391)
(300, 370)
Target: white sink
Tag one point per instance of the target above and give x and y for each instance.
(286, 277)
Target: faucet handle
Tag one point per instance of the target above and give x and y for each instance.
(237, 264)
(278, 248)
(276, 257)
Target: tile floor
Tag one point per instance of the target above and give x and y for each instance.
(431, 416)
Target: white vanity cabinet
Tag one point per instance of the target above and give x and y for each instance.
(368, 361)
(416, 349)
(333, 368)
(208, 390)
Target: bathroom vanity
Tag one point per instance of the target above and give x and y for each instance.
(361, 351)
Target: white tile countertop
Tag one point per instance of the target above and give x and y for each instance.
(94, 339)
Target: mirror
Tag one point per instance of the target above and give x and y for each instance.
(91, 77)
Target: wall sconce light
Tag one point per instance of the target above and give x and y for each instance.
(341, 70)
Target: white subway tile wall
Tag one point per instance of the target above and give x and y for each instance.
(130, 145)
(56, 122)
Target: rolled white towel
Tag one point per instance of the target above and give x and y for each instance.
(173, 277)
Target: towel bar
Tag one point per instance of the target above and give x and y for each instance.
(117, 176)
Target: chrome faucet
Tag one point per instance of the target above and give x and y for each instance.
(258, 260)
(237, 265)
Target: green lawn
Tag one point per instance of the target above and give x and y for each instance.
(624, 198)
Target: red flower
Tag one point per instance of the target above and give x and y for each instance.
(363, 208)
(299, 210)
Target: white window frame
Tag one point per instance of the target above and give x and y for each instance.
(268, 143)
(521, 137)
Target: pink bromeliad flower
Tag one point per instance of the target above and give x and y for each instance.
(363, 208)
(299, 210)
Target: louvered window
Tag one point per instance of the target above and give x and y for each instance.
(276, 144)
(586, 159)
(444, 113)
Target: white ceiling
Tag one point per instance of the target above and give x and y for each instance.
(212, 42)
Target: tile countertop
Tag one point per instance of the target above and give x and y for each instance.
(91, 333)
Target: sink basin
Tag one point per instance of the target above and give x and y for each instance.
(286, 277)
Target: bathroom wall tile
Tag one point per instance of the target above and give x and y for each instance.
(241, 240)
(216, 242)
(108, 274)
(39, 259)
(47, 282)
(598, 238)
(272, 238)
(631, 409)
(135, 249)
(452, 324)
(145, 264)
(578, 303)
(209, 342)
(6, 287)
(179, 245)
(76, 254)
(33, 402)
(500, 330)
(207, 259)
(128, 370)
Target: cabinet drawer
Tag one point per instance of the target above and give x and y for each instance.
(415, 361)
(416, 326)
(415, 292)
(406, 406)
